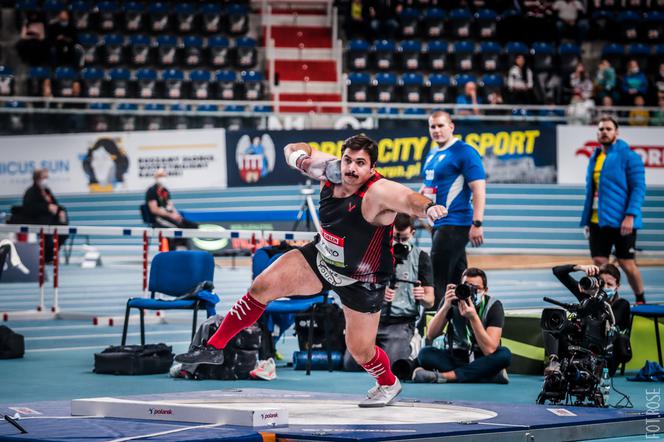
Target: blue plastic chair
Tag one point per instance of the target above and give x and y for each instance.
(282, 311)
(173, 274)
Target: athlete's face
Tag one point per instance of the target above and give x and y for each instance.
(606, 133)
(355, 167)
(440, 129)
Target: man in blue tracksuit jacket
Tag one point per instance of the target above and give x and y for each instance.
(615, 188)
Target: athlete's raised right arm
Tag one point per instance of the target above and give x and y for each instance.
(313, 163)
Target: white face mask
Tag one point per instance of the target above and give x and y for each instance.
(44, 182)
(161, 181)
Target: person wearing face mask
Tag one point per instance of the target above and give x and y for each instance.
(470, 349)
(619, 306)
(41, 207)
(158, 199)
(410, 289)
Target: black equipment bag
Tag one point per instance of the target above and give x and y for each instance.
(330, 315)
(134, 359)
(11, 344)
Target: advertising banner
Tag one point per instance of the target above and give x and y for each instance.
(511, 154)
(113, 162)
(577, 143)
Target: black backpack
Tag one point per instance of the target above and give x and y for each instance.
(11, 344)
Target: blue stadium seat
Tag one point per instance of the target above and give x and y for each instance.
(359, 86)
(64, 79)
(358, 54)
(14, 122)
(641, 53)
(179, 116)
(653, 26)
(253, 85)
(81, 14)
(146, 80)
(414, 111)
(464, 55)
(410, 54)
(120, 84)
(384, 54)
(185, 17)
(226, 85)
(89, 43)
(437, 50)
(263, 109)
(409, 22)
(127, 120)
(439, 85)
(52, 7)
(629, 22)
(107, 15)
(140, 50)
(6, 81)
(603, 23)
(101, 120)
(492, 83)
(193, 50)
(113, 50)
(569, 56)
(201, 86)
(460, 23)
(234, 108)
(36, 77)
(490, 56)
(388, 111)
(615, 53)
(386, 83)
(134, 16)
(174, 83)
(238, 18)
(159, 17)
(206, 120)
(434, 22)
(154, 118)
(543, 56)
(413, 87)
(92, 82)
(219, 55)
(514, 48)
(246, 55)
(360, 110)
(211, 16)
(167, 50)
(485, 23)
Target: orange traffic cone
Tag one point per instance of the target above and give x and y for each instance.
(163, 245)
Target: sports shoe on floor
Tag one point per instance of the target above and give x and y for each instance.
(423, 376)
(381, 395)
(202, 355)
(553, 367)
(501, 377)
(265, 369)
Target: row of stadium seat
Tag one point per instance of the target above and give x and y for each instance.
(138, 16)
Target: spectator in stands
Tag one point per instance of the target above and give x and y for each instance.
(659, 78)
(469, 99)
(470, 350)
(612, 210)
(62, 38)
(605, 81)
(520, 81)
(634, 82)
(356, 24)
(607, 107)
(579, 110)
(158, 199)
(570, 22)
(453, 172)
(580, 83)
(382, 18)
(411, 288)
(638, 116)
(619, 306)
(549, 86)
(494, 99)
(658, 117)
(75, 122)
(41, 207)
(32, 47)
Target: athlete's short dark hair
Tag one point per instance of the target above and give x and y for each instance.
(362, 142)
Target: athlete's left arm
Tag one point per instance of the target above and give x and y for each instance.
(476, 234)
(386, 195)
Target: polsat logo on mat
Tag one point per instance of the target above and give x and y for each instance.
(158, 411)
(652, 156)
(255, 157)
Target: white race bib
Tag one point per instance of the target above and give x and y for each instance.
(331, 248)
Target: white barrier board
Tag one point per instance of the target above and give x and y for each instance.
(228, 414)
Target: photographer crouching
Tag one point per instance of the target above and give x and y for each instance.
(411, 287)
(471, 351)
(600, 283)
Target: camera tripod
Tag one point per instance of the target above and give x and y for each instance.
(307, 210)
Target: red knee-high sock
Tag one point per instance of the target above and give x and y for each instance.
(244, 313)
(379, 368)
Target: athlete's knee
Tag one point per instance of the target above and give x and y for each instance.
(260, 289)
(361, 352)
(600, 260)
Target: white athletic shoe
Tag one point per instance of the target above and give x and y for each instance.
(381, 395)
(266, 370)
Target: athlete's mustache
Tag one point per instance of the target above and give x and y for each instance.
(352, 174)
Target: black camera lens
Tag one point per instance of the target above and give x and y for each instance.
(401, 251)
(465, 291)
(591, 283)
